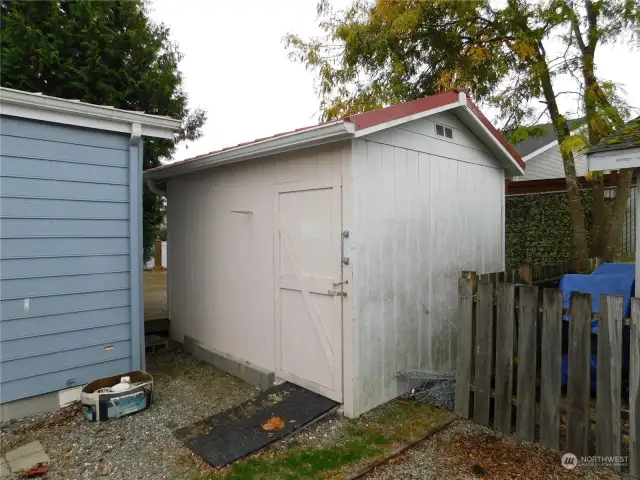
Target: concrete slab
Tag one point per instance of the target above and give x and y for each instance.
(5, 471)
(26, 456)
(23, 451)
(25, 463)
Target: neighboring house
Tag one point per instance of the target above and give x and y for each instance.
(329, 256)
(542, 154)
(70, 246)
(621, 149)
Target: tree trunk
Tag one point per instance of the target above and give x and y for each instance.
(616, 218)
(574, 200)
(600, 217)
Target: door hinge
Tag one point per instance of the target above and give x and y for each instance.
(346, 233)
(345, 260)
(337, 293)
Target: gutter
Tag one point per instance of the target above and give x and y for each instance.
(155, 189)
(294, 141)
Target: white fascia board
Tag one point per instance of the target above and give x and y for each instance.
(613, 160)
(537, 152)
(546, 147)
(68, 112)
(476, 126)
(311, 137)
(408, 118)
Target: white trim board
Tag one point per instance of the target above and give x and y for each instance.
(44, 108)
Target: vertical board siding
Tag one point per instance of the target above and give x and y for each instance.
(527, 341)
(483, 352)
(634, 389)
(578, 381)
(609, 375)
(65, 256)
(218, 257)
(550, 373)
(504, 357)
(426, 208)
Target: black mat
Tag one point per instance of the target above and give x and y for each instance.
(235, 433)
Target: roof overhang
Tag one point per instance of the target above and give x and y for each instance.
(311, 137)
(358, 126)
(613, 159)
(35, 106)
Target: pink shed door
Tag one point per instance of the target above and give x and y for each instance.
(308, 244)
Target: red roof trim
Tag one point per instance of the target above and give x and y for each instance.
(401, 110)
(380, 116)
(496, 133)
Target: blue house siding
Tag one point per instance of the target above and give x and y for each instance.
(70, 256)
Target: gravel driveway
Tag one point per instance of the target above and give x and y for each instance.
(141, 446)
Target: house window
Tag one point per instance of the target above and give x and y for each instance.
(443, 131)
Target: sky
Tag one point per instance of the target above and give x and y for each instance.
(236, 67)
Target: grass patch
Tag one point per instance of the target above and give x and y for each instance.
(372, 436)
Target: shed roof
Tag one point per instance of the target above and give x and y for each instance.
(355, 126)
(37, 106)
(625, 138)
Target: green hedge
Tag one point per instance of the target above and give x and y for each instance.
(538, 228)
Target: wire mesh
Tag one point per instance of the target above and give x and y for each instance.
(438, 388)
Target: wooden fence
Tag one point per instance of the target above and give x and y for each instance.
(509, 363)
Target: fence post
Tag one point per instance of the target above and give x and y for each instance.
(526, 389)
(634, 391)
(158, 255)
(504, 358)
(578, 384)
(483, 351)
(551, 368)
(609, 376)
(464, 350)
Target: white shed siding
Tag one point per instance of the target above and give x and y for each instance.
(426, 208)
(221, 257)
(549, 165)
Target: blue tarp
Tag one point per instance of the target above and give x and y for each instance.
(609, 278)
(597, 284)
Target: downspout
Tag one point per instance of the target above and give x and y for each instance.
(135, 248)
(154, 189)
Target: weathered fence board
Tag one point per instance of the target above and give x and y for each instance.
(464, 350)
(484, 352)
(526, 386)
(551, 368)
(634, 391)
(578, 374)
(504, 358)
(609, 375)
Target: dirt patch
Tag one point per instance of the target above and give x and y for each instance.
(467, 450)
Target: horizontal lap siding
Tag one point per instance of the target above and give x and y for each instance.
(426, 208)
(64, 256)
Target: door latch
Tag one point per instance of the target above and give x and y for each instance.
(345, 260)
(337, 293)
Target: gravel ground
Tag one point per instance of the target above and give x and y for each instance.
(141, 446)
(466, 450)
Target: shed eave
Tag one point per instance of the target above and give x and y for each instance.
(34, 106)
(613, 159)
(311, 137)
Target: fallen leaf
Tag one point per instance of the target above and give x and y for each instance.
(275, 423)
(274, 398)
(36, 471)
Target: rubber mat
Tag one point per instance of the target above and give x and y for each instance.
(273, 415)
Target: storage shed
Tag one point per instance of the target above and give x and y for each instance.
(329, 256)
(70, 245)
